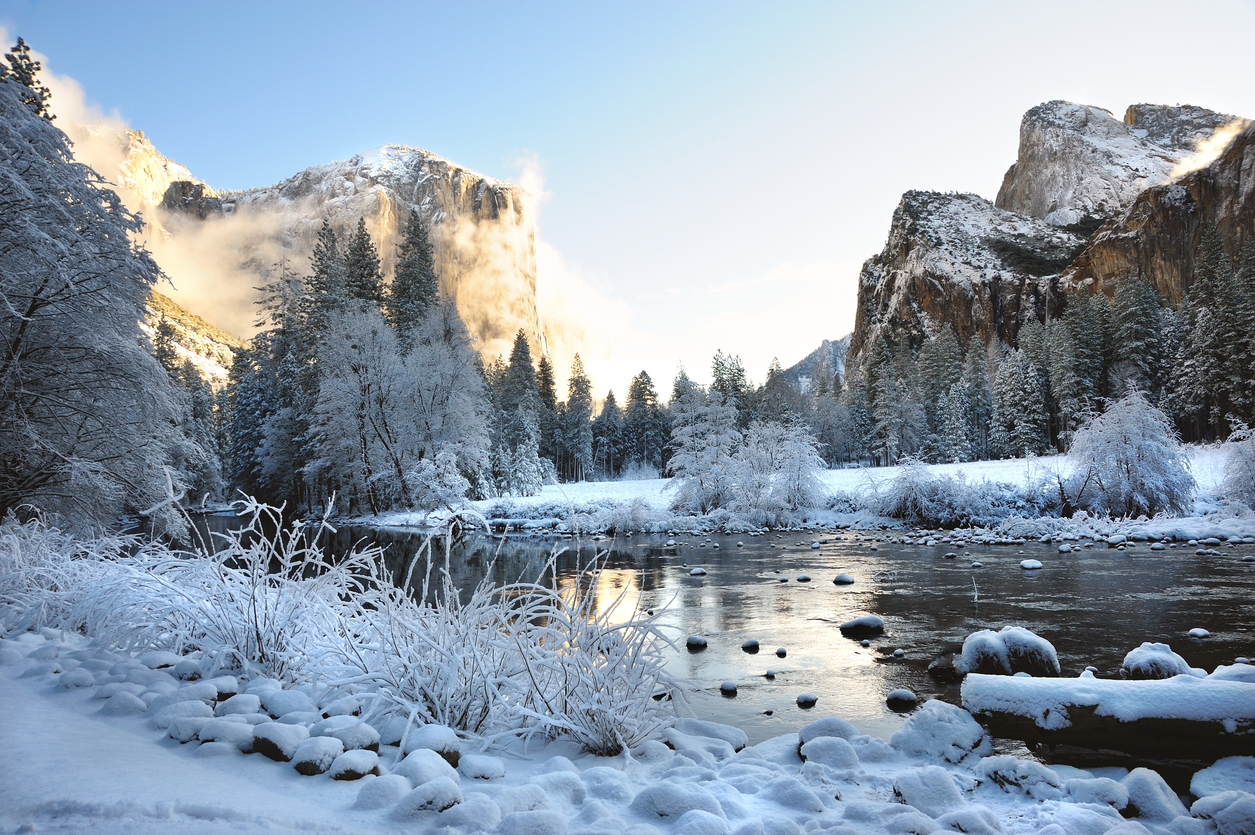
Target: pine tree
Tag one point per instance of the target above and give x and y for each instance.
(608, 437)
(577, 429)
(778, 397)
(362, 279)
(728, 377)
(955, 424)
(163, 346)
(1137, 337)
(1019, 407)
(547, 417)
(1200, 390)
(24, 70)
(646, 427)
(326, 285)
(415, 286)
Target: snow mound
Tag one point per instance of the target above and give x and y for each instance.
(828, 726)
(123, 703)
(1151, 798)
(940, 732)
(832, 751)
(535, 822)
(481, 767)
(1016, 776)
(316, 754)
(672, 800)
(1229, 774)
(354, 765)
(423, 766)
(1013, 649)
(930, 789)
(1153, 661)
(241, 703)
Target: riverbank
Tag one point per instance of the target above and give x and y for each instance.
(86, 752)
(1003, 490)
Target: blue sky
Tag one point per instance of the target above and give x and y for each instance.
(714, 173)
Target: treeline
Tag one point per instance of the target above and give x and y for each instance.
(939, 403)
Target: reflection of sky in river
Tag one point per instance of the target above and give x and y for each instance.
(1094, 607)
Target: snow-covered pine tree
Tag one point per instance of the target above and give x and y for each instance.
(980, 397)
(547, 417)
(608, 438)
(88, 422)
(646, 427)
(779, 397)
(1019, 413)
(956, 424)
(1199, 388)
(362, 279)
(577, 426)
(23, 70)
(415, 288)
(1137, 340)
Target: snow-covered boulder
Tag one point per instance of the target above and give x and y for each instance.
(832, 751)
(280, 702)
(433, 796)
(1016, 776)
(1153, 661)
(1151, 798)
(930, 789)
(1013, 649)
(168, 714)
(481, 767)
(828, 726)
(316, 754)
(239, 734)
(1228, 774)
(123, 703)
(278, 741)
(382, 792)
(354, 765)
(187, 729)
(357, 735)
(735, 737)
(1101, 791)
(423, 765)
(1228, 812)
(941, 732)
(864, 626)
(238, 704)
(671, 800)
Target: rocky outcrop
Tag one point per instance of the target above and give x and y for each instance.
(1158, 236)
(1077, 161)
(1180, 128)
(958, 260)
(191, 198)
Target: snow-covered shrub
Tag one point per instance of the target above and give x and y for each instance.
(260, 602)
(42, 568)
(1239, 470)
(1128, 462)
(945, 501)
(598, 679)
(704, 440)
(439, 483)
(638, 471)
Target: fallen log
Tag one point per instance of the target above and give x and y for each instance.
(1180, 717)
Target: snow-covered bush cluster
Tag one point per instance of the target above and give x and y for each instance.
(919, 496)
(512, 660)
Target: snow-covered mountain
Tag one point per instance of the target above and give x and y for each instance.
(218, 246)
(1159, 234)
(831, 351)
(957, 260)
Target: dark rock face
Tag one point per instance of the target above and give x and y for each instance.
(1159, 234)
(957, 260)
(1178, 128)
(195, 199)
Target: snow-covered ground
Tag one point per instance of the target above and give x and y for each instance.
(589, 502)
(76, 761)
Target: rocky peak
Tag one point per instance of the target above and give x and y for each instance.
(957, 260)
(1077, 162)
(1179, 128)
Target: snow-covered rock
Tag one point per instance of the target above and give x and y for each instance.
(316, 754)
(1154, 661)
(354, 765)
(278, 741)
(423, 765)
(930, 789)
(433, 796)
(382, 792)
(1013, 649)
(863, 626)
(941, 732)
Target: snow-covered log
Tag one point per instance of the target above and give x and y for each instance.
(1183, 716)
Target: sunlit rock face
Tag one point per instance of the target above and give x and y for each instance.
(218, 246)
(1158, 235)
(1077, 161)
(482, 229)
(956, 260)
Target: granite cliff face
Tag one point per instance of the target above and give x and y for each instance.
(957, 260)
(218, 246)
(1077, 162)
(1159, 234)
(482, 229)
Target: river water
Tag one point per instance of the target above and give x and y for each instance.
(1094, 606)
